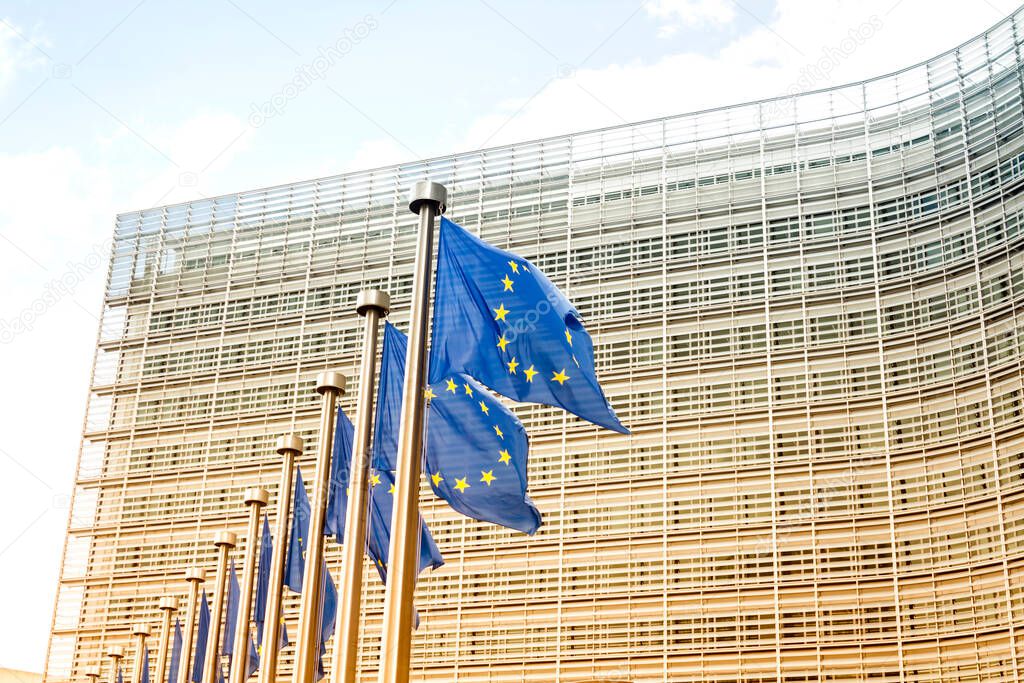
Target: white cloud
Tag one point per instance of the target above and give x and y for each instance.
(807, 45)
(16, 53)
(676, 14)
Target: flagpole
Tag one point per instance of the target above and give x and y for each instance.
(329, 385)
(288, 447)
(141, 632)
(194, 576)
(372, 304)
(428, 200)
(168, 605)
(225, 541)
(116, 652)
(255, 498)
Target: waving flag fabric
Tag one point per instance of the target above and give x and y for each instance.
(263, 589)
(499, 319)
(177, 644)
(202, 635)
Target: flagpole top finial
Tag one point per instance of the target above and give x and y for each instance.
(140, 629)
(115, 652)
(168, 603)
(289, 443)
(332, 379)
(373, 298)
(92, 672)
(195, 574)
(427, 191)
(257, 496)
(225, 538)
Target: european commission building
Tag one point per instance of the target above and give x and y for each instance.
(809, 311)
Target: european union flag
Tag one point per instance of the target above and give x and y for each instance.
(227, 646)
(297, 563)
(202, 635)
(120, 676)
(172, 673)
(145, 665)
(337, 492)
(476, 449)
(263, 588)
(382, 487)
(499, 319)
(297, 543)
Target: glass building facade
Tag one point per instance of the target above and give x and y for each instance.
(809, 310)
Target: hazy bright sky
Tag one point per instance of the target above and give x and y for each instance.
(120, 105)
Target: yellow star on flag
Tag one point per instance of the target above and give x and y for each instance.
(504, 457)
(568, 337)
(374, 479)
(484, 408)
(429, 394)
(469, 391)
(514, 266)
(461, 484)
(391, 489)
(436, 478)
(512, 365)
(451, 385)
(500, 312)
(497, 430)
(560, 377)
(530, 372)
(508, 284)
(487, 477)
(502, 343)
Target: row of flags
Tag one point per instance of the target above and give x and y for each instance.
(500, 329)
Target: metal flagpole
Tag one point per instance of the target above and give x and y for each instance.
(194, 576)
(288, 447)
(371, 304)
(225, 541)
(330, 385)
(141, 632)
(255, 498)
(93, 674)
(168, 605)
(116, 652)
(428, 200)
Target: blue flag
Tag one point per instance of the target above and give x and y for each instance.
(227, 646)
(254, 659)
(476, 449)
(297, 543)
(145, 665)
(263, 589)
(172, 675)
(381, 483)
(120, 676)
(499, 319)
(202, 635)
(341, 456)
(297, 564)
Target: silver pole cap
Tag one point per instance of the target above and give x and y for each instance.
(195, 574)
(289, 442)
(226, 538)
(373, 298)
(169, 603)
(330, 380)
(115, 652)
(257, 496)
(427, 191)
(140, 629)
(92, 672)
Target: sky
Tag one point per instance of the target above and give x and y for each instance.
(113, 106)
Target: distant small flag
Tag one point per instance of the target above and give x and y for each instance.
(202, 635)
(230, 612)
(145, 665)
(172, 674)
(263, 588)
(120, 676)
